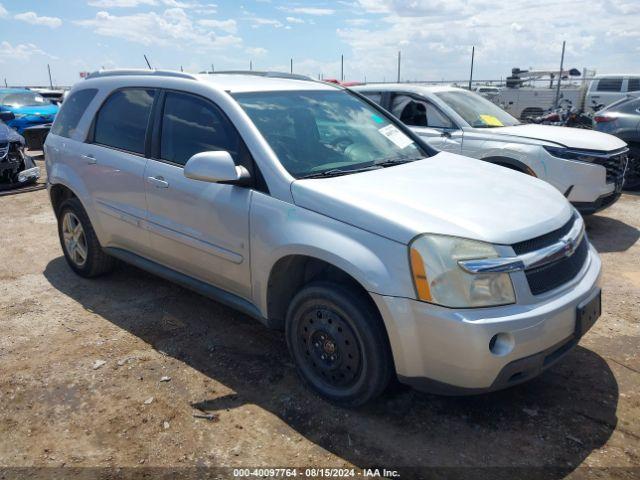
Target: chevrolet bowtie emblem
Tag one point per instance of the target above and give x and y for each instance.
(569, 247)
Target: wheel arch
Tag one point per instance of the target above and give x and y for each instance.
(291, 272)
(511, 163)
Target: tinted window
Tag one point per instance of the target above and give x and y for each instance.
(613, 84)
(634, 85)
(418, 113)
(192, 125)
(122, 120)
(71, 112)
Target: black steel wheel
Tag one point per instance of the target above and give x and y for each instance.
(338, 343)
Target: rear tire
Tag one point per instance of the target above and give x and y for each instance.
(338, 342)
(79, 242)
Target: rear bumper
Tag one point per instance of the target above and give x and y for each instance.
(448, 350)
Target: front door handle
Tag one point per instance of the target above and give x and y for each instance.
(159, 182)
(90, 159)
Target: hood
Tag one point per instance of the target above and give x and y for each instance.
(46, 110)
(565, 136)
(8, 134)
(447, 194)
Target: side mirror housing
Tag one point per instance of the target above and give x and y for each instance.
(216, 167)
(7, 116)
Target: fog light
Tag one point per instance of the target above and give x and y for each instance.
(501, 344)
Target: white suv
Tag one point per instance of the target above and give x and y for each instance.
(316, 212)
(587, 167)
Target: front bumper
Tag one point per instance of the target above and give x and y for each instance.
(589, 208)
(445, 350)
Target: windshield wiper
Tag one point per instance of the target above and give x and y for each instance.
(336, 172)
(397, 161)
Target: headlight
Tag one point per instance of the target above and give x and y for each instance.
(570, 154)
(439, 279)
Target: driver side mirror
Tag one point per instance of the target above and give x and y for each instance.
(216, 167)
(7, 116)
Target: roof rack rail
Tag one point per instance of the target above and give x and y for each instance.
(140, 71)
(291, 76)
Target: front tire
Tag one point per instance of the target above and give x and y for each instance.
(338, 342)
(79, 241)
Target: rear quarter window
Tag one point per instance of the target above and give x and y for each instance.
(611, 84)
(71, 112)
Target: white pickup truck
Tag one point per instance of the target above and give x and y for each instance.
(587, 167)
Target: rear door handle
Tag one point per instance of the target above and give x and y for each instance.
(159, 182)
(90, 159)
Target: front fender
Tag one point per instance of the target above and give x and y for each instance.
(518, 155)
(280, 229)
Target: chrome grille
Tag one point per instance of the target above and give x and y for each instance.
(552, 275)
(615, 165)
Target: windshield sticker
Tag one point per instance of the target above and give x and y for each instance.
(376, 118)
(396, 136)
(491, 121)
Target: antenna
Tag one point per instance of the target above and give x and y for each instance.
(147, 60)
(473, 52)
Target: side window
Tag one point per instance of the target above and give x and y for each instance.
(376, 97)
(419, 113)
(634, 85)
(71, 111)
(611, 84)
(192, 125)
(122, 120)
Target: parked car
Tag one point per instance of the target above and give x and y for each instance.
(30, 108)
(606, 89)
(17, 169)
(488, 92)
(587, 167)
(622, 119)
(317, 212)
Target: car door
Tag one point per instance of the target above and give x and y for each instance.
(428, 121)
(198, 228)
(112, 165)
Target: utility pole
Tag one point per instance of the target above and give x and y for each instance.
(473, 52)
(342, 68)
(251, 65)
(181, 68)
(560, 75)
(399, 60)
(5, 82)
(50, 82)
(291, 65)
(212, 69)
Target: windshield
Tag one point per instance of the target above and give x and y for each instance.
(330, 132)
(478, 112)
(23, 99)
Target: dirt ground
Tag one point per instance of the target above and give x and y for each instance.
(60, 407)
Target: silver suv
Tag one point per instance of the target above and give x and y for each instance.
(313, 210)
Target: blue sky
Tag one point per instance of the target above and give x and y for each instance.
(435, 36)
